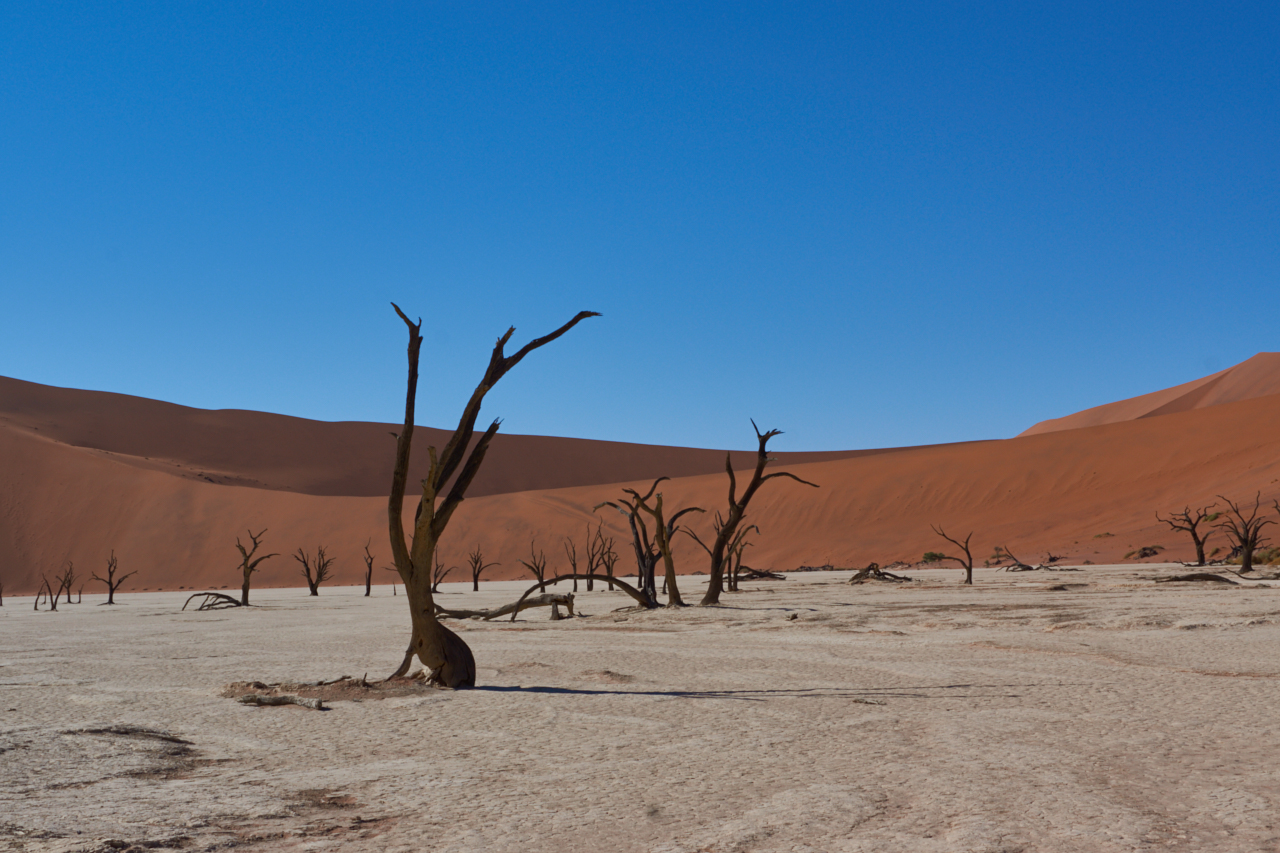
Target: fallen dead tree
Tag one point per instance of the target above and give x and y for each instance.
(746, 573)
(873, 572)
(1198, 576)
(214, 601)
(552, 600)
(1003, 553)
(641, 599)
(282, 699)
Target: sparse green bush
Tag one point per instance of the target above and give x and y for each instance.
(934, 556)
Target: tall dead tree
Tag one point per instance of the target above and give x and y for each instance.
(1246, 531)
(727, 525)
(476, 565)
(966, 562)
(448, 659)
(1189, 520)
(368, 569)
(571, 554)
(599, 550)
(248, 565)
(317, 570)
(112, 582)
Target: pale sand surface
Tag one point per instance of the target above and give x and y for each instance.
(1003, 717)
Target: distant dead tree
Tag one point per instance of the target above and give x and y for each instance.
(1, 593)
(368, 569)
(448, 659)
(966, 562)
(316, 571)
(736, 547)
(646, 554)
(1189, 520)
(393, 583)
(600, 555)
(664, 530)
(112, 582)
(537, 562)
(66, 579)
(571, 554)
(1246, 532)
(438, 574)
(46, 589)
(248, 565)
(726, 526)
(476, 565)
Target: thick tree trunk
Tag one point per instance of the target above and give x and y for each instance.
(441, 651)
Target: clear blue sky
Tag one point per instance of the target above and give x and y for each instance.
(866, 225)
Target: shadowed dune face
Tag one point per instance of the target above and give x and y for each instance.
(266, 451)
(1059, 491)
(1257, 377)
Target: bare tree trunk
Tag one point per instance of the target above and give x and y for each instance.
(248, 565)
(728, 525)
(440, 650)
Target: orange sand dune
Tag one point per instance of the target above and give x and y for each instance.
(1060, 491)
(1256, 377)
(266, 451)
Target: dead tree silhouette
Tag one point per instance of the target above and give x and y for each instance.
(1245, 531)
(726, 526)
(248, 565)
(447, 658)
(477, 565)
(316, 571)
(966, 562)
(368, 569)
(1189, 520)
(648, 552)
(112, 582)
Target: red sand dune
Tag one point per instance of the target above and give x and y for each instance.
(1060, 491)
(1256, 377)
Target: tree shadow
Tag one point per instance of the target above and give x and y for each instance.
(866, 695)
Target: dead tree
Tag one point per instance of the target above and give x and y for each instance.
(649, 552)
(727, 525)
(448, 659)
(1003, 553)
(1189, 521)
(736, 547)
(549, 600)
(599, 547)
(1, 593)
(248, 565)
(66, 579)
(46, 588)
(608, 558)
(112, 582)
(1245, 531)
(476, 564)
(966, 562)
(537, 562)
(571, 554)
(646, 555)
(316, 571)
(438, 575)
(368, 569)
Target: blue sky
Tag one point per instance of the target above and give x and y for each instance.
(867, 225)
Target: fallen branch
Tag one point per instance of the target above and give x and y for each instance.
(214, 601)
(545, 600)
(873, 572)
(284, 699)
(1198, 576)
(644, 600)
(746, 573)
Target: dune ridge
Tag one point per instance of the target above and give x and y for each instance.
(1258, 376)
